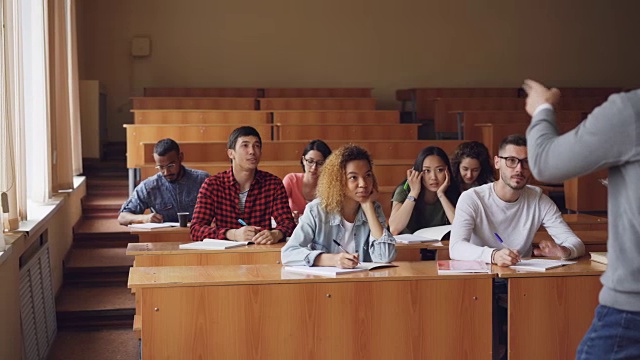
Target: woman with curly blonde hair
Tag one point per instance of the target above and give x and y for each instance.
(345, 224)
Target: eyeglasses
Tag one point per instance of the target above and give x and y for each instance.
(512, 161)
(167, 167)
(312, 162)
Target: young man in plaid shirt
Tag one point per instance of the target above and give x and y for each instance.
(238, 204)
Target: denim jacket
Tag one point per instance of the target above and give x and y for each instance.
(317, 229)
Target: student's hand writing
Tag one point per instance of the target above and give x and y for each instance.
(445, 185)
(414, 178)
(550, 248)
(506, 257)
(346, 261)
(538, 94)
(245, 233)
(154, 218)
(264, 237)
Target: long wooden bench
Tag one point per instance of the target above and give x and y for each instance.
(317, 104)
(422, 99)
(446, 119)
(210, 151)
(581, 194)
(389, 172)
(348, 131)
(137, 134)
(336, 117)
(194, 103)
(201, 92)
(237, 117)
(471, 118)
(317, 92)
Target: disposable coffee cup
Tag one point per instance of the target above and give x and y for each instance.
(183, 219)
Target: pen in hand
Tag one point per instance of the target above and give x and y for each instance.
(502, 242)
(242, 222)
(343, 249)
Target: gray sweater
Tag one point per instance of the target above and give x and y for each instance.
(608, 138)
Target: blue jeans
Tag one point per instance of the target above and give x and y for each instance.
(614, 334)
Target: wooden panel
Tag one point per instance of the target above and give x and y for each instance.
(200, 92)
(555, 312)
(317, 92)
(318, 104)
(385, 319)
(388, 172)
(336, 117)
(209, 151)
(193, 103)
(472, 118)
(594, 240)
(445, 121)
(425, 97)
(568, 92)
(586, 193)
(349, 132)
(137, 134)
(237, 117)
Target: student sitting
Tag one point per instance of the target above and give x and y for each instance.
(471, 166)
(496, 222)
(429, 195)
(172, 190)
(345, 213)
(301, 187)
(238, 204)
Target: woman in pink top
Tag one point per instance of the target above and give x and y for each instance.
(301, 187)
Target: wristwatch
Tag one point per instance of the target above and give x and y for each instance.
(411, 198)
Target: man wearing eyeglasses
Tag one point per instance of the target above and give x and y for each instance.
(172, 190)
(496, 222)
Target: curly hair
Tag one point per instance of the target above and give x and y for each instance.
(473, 150)
(333, 178)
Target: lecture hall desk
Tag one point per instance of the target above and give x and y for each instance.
(549, 312)
(264, 312)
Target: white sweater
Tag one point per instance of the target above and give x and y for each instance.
(480, 213)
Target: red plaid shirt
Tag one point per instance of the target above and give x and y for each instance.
(217, 209)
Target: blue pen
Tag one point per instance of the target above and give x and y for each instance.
(499, 238)
(242, 222)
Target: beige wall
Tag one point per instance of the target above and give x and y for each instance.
(60, 239)
(382, 44)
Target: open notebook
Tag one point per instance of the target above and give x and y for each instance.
(213, 244)
(539, 264)
(154, 225)
(332, 271)
(600, 257)
(429, 234)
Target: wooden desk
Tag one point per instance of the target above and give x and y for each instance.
(169, 254)
(169, 234)
(549, 312)
(580, 222)
(594, 240)
(262, 311)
